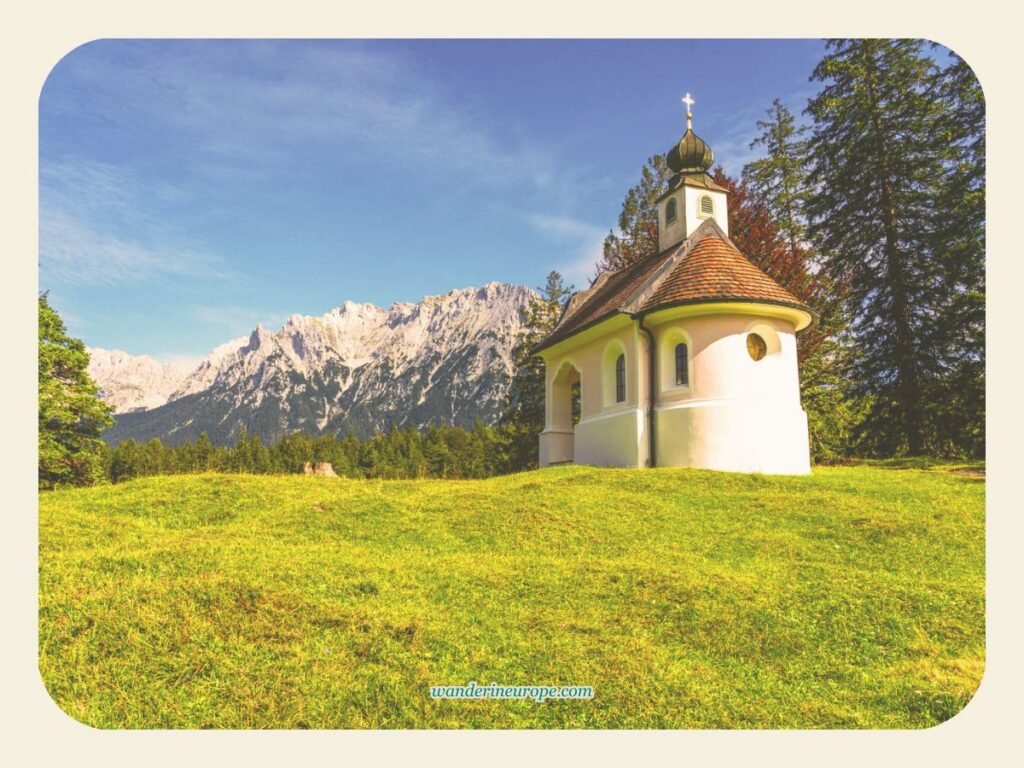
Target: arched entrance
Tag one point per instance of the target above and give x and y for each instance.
(563, 413)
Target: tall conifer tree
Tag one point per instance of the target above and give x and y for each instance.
(877, 152)
(959, 400)
(779, 178)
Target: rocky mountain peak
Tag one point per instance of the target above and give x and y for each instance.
(445, 358)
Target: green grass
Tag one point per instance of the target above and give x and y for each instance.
(853, 598)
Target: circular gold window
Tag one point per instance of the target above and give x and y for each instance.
(756, 347)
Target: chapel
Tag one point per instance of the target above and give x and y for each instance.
(685, 358)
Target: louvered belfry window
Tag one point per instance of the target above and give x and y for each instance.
(620, 379)
(707, 206)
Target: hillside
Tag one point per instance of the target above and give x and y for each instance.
(447, 358)
(853, 598)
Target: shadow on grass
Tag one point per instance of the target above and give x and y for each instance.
(974, 468)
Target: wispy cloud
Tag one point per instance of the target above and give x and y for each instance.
(234, 320)
(238, 108)
(733, 145)
(584, 241)
(74, 251)
(97, 228)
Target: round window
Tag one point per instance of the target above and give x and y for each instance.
(756, 347)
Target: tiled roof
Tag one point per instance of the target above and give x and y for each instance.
(704, 267)
(714, 269)
(608, 298)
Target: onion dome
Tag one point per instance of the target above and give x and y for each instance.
(690, 155)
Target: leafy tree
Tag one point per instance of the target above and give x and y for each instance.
(880, 174)
(123, 462)
(523, 417)
(71, 415)
(249, 454)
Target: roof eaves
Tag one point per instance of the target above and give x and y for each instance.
(554, 337)
(579, 298)
(699, 181)
(814, 315)
(636, 300)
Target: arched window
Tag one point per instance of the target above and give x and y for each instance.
(675, 374)
(682, 365)
(620, 379)
(671, 214)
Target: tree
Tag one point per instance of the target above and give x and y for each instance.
(292, 452)
(204, 451)
(779, 182)
(959, 398)
(523, 416)
(638, 220)
(71, 415)
(878, 156)
(124, 463)
(779, 178)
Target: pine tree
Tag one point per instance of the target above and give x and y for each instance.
(959, 398)
(123, 461)
(779, 181)
(638, 220)
(204, 451)
(877, 165)
(71, 415)
(524, 411)
(779, 178)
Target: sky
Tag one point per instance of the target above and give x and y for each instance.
(192, 189)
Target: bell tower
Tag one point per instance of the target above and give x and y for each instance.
(692, 196)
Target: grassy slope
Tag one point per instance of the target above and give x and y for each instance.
(853, 598)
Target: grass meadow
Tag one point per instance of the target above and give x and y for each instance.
(853, 598)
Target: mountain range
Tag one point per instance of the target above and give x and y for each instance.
(359, 367)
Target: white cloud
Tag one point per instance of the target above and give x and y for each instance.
(97, 227)
(74, 251)
(584, 242)
(233, 108)
(236, 320)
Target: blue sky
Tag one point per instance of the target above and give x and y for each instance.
(192, 189)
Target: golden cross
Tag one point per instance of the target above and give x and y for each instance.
(689, 102)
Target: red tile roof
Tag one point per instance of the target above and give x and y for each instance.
(608, 298)
(714, 269)
(706, 267)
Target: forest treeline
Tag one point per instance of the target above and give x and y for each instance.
(438, 451)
